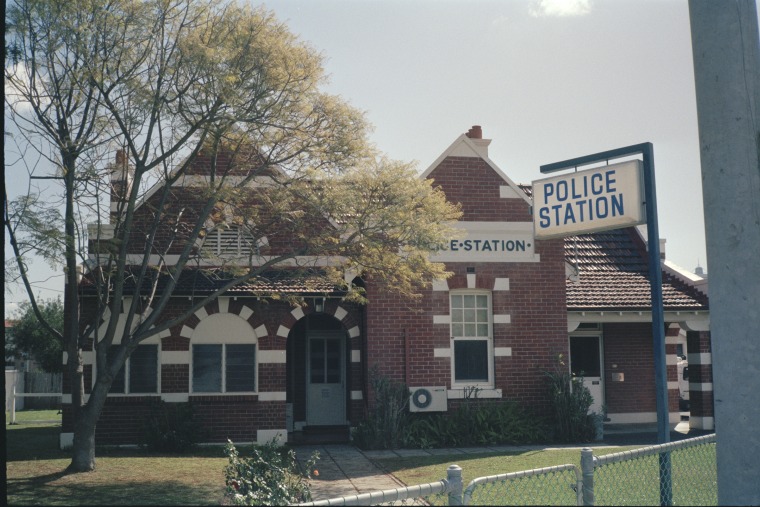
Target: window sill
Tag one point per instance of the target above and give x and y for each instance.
(457, 393)
(242, 393)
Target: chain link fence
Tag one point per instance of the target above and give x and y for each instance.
(559, 485)
(678, 473)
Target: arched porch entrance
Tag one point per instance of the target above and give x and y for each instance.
(317, 390)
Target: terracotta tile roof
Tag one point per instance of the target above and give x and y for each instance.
(614, 275)
(205, 281)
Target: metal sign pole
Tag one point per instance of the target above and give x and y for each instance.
(658, 324)
(655, 282)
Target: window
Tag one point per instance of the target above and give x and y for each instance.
(472, 360)
(139, 374)
(325, 361)
(224, 368)
(234, 240)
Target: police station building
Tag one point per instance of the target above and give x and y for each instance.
(513, 304)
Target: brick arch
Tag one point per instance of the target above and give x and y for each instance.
(348, 320)
(144, 315)
(219, 306)
(344, 316)
(457, 281)
(460, 281)
(239, 329)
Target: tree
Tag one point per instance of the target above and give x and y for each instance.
(174, 86)
(31, 339)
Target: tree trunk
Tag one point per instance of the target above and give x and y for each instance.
(83, 450)
(85, 421)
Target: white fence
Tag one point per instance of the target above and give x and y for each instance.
(41, 385)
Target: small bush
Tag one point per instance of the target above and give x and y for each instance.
(170, 428)
(270, 476)
(384, 426)
(571, 401)
(475, 422)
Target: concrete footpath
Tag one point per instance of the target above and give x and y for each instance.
(344, 470)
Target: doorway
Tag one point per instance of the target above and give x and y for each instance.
(326, 379)
(586, 362)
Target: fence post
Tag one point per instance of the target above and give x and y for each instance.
(13, 404)
(587, 471)
(454, 478)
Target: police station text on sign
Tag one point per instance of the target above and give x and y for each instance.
(587, 201)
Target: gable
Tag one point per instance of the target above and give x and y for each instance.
(467, 176)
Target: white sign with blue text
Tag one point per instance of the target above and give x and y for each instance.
(490, 242)
(593, 200)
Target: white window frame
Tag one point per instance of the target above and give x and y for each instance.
(224, 369)
(490, 382)
(127, 374)
(225, 329)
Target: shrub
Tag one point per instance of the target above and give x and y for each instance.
(571, 401)
(270, 476)
(170, 427)
(475, 422)
(384, 426)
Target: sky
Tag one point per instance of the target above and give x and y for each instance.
(548, 80)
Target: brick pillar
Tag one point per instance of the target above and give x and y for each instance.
(700, 380)
(671, 347)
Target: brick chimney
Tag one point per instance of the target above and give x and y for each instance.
(476, 134)
(121, 182)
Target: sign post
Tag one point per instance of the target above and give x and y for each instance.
(557, 214)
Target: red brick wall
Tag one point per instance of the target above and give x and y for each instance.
(401, 335)
(629, 346)
(701, 403)
(123, 420)
(225, 417)
(471, 182)
(237, 417)
(175, 378)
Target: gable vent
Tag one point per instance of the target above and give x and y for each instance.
(228, 241)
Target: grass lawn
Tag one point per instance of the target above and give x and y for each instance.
(555, 489)
(122, 477)
(34, 416)
(137, 477)
(420, 470)
(634, 482)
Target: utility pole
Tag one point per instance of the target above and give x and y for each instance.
(726, 51)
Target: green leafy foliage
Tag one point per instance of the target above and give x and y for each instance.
(475, 422)
(31, 338)
(571, 401)
(170, 428)
(270, 476)
(384, 426)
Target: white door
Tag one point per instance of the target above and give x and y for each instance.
(326, 392)
(586, 362)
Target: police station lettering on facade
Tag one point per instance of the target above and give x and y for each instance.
(488, 245)
(587, 201)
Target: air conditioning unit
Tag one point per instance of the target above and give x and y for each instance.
(428, 399)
